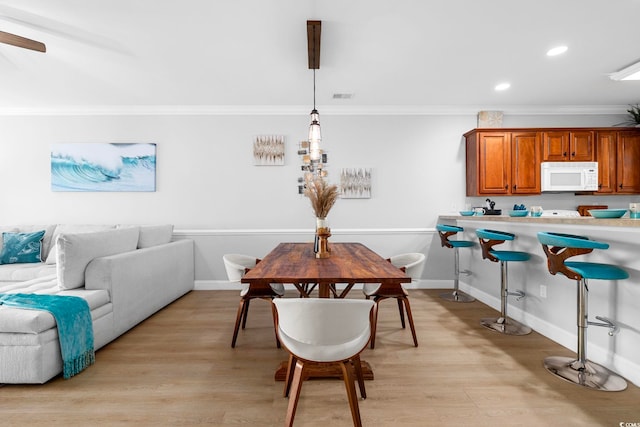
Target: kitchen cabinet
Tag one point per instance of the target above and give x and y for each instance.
(572, 146)
(506, 161)
(628, 162)
(606, 155)
(618, 155)
(502, 162)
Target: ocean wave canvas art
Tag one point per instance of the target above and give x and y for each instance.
(103, 167)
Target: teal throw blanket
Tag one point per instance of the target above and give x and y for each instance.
(75, 329)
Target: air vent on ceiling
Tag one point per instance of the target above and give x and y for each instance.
(342, 95)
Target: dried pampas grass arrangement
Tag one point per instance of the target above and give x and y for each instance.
(322, 196)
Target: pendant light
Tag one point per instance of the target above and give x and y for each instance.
(313, 157)
(315, 136)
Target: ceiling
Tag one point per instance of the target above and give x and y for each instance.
(243, 55)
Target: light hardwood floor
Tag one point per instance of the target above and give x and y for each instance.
(177, 368)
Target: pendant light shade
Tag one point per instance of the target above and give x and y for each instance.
(315, 136)
(314, 128)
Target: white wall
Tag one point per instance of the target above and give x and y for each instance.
(206, 179)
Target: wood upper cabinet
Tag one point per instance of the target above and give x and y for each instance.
(618, 155)
(525, 163)
(628, 162)
(573, 146)
(606, 156)
(502, 163)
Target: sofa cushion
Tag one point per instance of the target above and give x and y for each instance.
(75, 252)
(24, 272)
(9, 229)
(154, 235)
(21, 247)
(72, 229)
(17, 320)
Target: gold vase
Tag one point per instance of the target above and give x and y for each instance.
(321, 244)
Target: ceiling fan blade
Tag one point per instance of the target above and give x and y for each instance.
(23, 42)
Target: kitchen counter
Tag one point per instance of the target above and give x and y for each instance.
(582, 220)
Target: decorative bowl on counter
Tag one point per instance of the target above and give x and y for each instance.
(519, 212)
(466, 213)
(607, 213)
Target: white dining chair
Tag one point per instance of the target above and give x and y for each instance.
(236, 266)
(323, 331)
(412, 264)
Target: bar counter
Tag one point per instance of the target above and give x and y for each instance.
(581, 220)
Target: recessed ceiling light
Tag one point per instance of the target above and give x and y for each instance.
(503, 86)
(558, 50)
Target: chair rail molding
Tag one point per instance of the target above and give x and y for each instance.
(212, 243)
(296, 231)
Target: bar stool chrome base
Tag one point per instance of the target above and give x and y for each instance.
(591, 375)
(505, 326)
(457, 296)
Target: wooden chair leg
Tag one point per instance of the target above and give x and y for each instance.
(246, 313)
(274, 313)
(410, 317)
(287, 381)
(297, 386)
(241, 310)
(347, 374)
(401, 310)
(359, 376)
(374, 324)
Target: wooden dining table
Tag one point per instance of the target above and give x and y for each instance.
(348, 264)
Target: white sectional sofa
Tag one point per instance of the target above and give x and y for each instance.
(125, 273)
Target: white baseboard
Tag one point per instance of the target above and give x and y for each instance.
(623, 366)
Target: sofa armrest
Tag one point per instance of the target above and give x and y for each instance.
(143, 281)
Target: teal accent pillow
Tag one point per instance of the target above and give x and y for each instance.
(21, 247)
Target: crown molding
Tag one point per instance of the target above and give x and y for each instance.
(296, 110)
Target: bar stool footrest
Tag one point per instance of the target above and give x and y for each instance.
(505, 326)
(592, 375)
(607, 323)
(517, 293)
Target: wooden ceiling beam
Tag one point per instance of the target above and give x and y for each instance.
(313, 43)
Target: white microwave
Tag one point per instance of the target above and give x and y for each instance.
(569, 176)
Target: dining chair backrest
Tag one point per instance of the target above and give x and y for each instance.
(321, 327)
(413, 263)
(235, 265)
